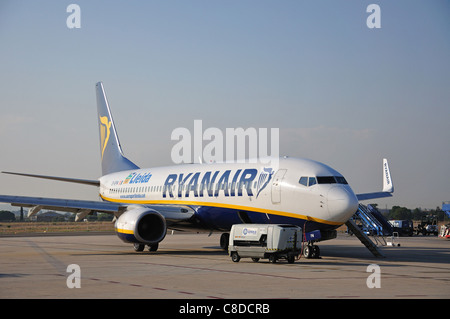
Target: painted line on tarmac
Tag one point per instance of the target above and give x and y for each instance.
(243, 272)
(181, 292)
(53, 261)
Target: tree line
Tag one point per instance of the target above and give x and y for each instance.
(402, 213)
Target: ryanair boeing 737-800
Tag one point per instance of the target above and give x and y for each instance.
(147, 202)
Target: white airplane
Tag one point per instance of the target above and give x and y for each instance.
(147, 202)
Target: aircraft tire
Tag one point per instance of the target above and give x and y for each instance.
(311, 251)
(307, 251)
(316, 251)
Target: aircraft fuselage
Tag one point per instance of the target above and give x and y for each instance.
(221, 195)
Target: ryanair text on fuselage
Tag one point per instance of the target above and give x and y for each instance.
(210, 183)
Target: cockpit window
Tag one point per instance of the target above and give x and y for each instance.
(331, 180)
(303, 180)
(307, 181)
(310, 181)
(326, 180)
(341, 180)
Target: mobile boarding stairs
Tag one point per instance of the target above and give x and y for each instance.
(369, 221)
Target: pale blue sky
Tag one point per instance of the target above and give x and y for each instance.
(339, 92)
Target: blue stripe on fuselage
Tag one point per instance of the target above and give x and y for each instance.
(223, 218)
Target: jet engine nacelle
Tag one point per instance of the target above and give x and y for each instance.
(141, 225)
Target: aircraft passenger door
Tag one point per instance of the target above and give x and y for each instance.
(276, 186)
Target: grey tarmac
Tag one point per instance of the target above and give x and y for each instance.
(192, 266)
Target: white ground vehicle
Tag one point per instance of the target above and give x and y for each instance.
(265, 241)
(445, 231)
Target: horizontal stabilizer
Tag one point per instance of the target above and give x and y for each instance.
(62, 179)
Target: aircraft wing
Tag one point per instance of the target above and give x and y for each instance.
(172, 213)
(388, 186)
(80, 207)
(61, 179)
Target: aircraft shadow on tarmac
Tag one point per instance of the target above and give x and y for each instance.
(215, 251)
(3, 275)
(393, 254)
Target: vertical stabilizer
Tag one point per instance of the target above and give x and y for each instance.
(112, 157)
(388, 186)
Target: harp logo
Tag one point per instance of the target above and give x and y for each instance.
(105, 131)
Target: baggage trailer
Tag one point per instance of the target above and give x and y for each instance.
(272, 241)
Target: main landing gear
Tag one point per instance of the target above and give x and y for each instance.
(224, 240)
(141, 247)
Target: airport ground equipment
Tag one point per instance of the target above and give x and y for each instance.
(371, 221)
(445, 231)
(427, 226)
(272, 241)
(403, 227)
(362, 236)
(393, 240)
(386, 226)
(446, 208)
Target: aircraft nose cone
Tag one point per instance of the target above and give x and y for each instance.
(342, 203)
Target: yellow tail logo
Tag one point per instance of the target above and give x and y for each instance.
(105, 131)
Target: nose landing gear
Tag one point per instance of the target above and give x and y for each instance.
(311, 251)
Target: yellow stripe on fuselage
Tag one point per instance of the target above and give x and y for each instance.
(220, 205)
